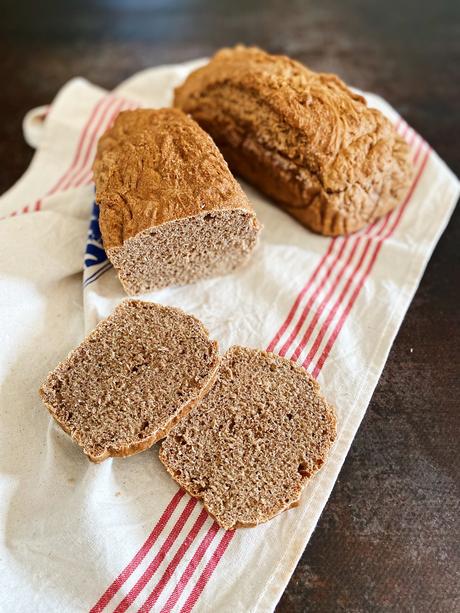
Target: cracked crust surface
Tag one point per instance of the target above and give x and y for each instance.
(301, 137)
(155, 166)
(132, 379)
(253, 442)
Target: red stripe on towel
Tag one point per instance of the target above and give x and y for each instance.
(158, 559)
(191, 567)
(332, 339)
(172, 566)
(140, 555)
(208, 570)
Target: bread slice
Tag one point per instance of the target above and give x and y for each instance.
(254, 441)
(301, 137)
(170, 210)
(126, 385)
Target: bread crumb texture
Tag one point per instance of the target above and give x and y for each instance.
(301, 137)
(131, 379)
(254, 441)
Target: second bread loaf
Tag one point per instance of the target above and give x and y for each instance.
(301, 137)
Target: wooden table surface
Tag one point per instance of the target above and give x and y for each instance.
(387, 538)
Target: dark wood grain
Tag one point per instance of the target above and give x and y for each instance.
(388, 538)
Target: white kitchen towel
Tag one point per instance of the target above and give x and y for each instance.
(120, 536)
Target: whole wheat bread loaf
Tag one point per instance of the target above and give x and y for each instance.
(303, 138)
(248, 448)
(170, 210)
(131, 379)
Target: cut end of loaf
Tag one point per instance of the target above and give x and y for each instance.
(171, 212)
(186, 250)
(129, 382)
(254, 441)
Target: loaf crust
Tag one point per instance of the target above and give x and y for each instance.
(303, 138)
(156, 167)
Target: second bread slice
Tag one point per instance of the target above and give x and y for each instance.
(131, 379)
(251, 445)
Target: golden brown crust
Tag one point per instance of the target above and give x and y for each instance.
(301, 137)
(155, 166)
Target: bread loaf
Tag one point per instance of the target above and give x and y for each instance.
(249, 447)
(131, 379)
(301, 137)
(170, 210)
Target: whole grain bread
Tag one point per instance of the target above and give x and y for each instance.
(170, 210)
(303, 138)
(127, 384)
(249, 447)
